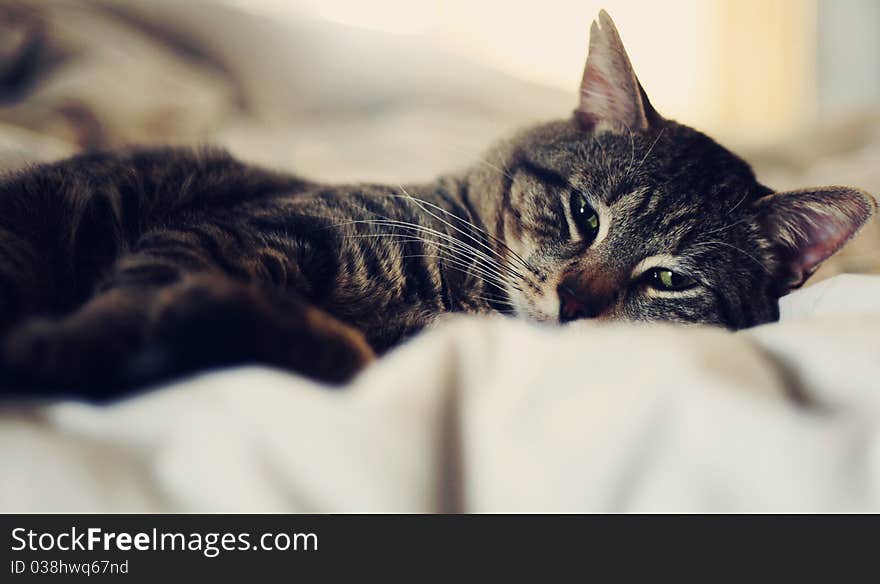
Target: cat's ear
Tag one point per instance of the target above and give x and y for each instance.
(807, 227)
(611, 97)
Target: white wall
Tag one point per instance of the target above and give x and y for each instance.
(849, 55)
(749, 71)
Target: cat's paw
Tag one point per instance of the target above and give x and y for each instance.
(209, 322)
(330, 350)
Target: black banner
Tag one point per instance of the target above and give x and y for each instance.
(60, 547)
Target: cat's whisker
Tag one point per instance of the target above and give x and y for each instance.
(632, 141)
(505, 174)
(496, 301)
(421, 202)
(488, 277)
(487, 269)
(449, 242)
(651, 149)
(730, 245)
(482, 160)
(497, 260)
(740, 202)
(414, 226)
(475, 264)
(463, 267)
(489, 295)
(726, 227)
(605, 161)
(457, 253)
(459, 247)
(471, 263)
(447, 223)
(450, 239)
(502, 265)
(507, 248)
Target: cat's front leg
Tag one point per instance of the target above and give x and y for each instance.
(83, 353)
(215, 321)
(126, 338)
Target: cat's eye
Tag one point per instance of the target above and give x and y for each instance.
(585, 217)
(663, 279)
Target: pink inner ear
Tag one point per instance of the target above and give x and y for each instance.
(595, 84)
(814, 255)
(604, 102)
(808, 227)
(610, 93)
(821, 230)
(810, 257)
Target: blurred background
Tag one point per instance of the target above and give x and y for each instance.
(753, 71)
(403, 89)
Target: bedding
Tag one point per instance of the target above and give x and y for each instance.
(475, 415)
(496, 415)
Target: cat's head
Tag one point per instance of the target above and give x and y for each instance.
(622, 214)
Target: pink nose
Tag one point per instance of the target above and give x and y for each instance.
(570, 306)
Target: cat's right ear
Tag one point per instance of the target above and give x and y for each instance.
(611, 97)
(805, 228)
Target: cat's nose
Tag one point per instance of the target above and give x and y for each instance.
(573, 306)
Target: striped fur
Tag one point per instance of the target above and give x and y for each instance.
(123, 269)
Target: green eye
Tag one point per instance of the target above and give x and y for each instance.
(585, 217)
(663, 279)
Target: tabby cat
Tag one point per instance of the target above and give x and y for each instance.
(123, 269)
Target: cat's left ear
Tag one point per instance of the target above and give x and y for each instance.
(807, 227)
(611, 97)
